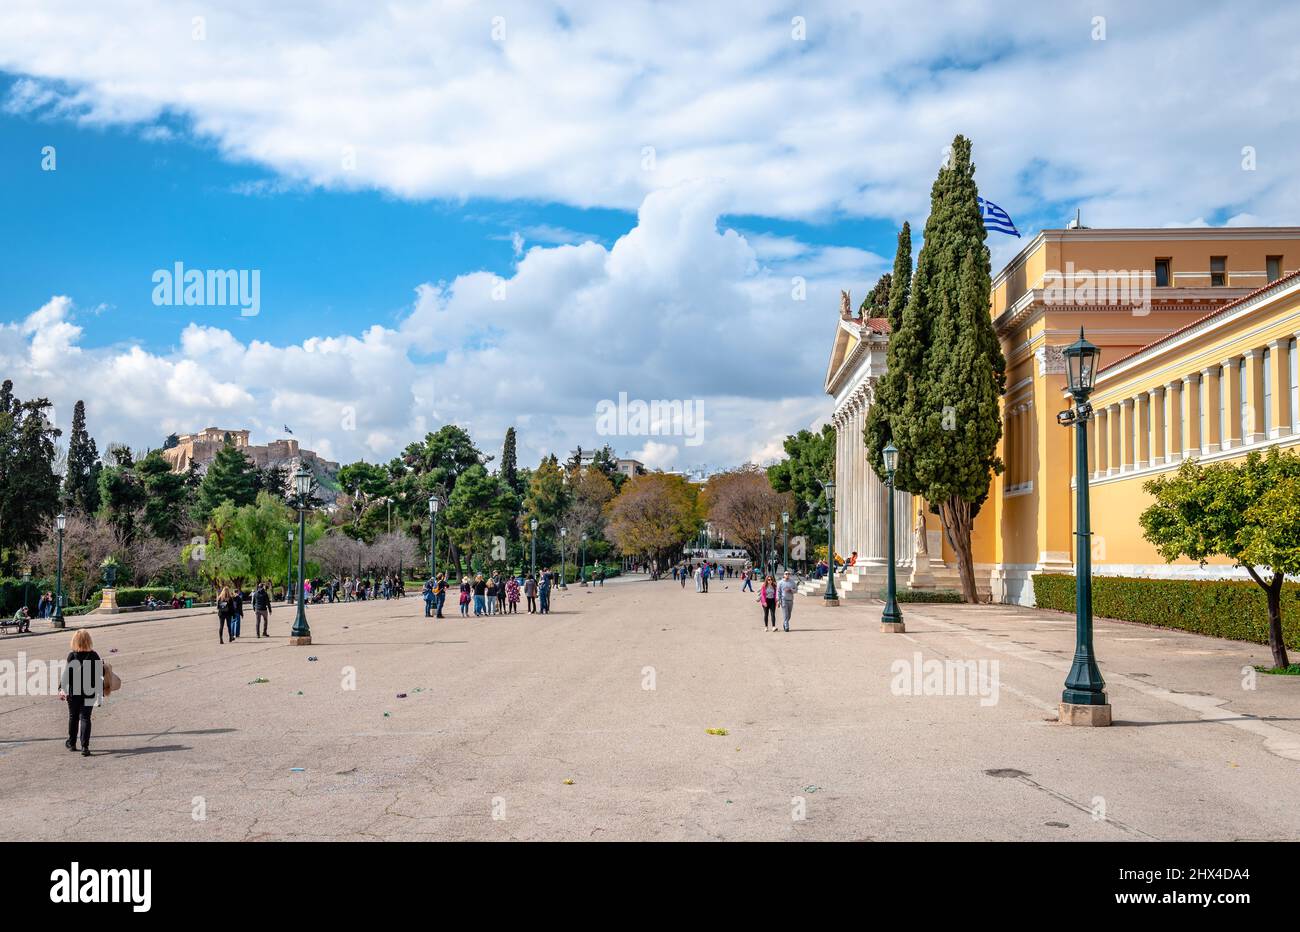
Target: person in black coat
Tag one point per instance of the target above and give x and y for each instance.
(261, 610)
(225, 614)
(81, 685)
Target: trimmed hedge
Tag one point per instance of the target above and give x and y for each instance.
(126, 598)
(925, 595)
(1237, 610)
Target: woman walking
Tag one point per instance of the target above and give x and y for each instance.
(530, 590)
(767, 599)
(512, 595)
(81, 685)
(225, 612)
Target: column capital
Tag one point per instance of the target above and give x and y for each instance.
(1192, 379)
(1251, 353)
(1276, 344)
(1126, 403)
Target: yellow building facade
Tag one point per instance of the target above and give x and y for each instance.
(1198, 334)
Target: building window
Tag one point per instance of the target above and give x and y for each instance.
(1218, 271)
(1162, 273)
(1267, 366)
(1274, 265)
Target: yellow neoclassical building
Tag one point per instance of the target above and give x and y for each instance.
(1197, 328)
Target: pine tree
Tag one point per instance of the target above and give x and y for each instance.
(230, 477)
(81, 482)
(900, 280)
(901, 361)
(29, 487)
(876, 303)
(166, 496)
(941, 405)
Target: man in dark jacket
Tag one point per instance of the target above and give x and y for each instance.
(261, 610)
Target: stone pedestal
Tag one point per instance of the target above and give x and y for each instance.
(892, 627)
(109, 603)
(921, 577)
(1093, 716)
(300, 642)
(830, 603)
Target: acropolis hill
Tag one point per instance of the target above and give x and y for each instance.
(202, 447)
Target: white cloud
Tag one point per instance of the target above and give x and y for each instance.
(678, 309)
(564, 107)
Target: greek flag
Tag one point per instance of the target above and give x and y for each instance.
(996, 219)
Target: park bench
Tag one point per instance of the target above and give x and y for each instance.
(11, 622)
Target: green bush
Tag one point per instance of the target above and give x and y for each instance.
(13, 592)
(127, 598)
(1237, 610)
(926, 595)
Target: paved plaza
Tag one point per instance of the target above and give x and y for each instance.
(592, 723)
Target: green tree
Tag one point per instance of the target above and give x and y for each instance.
(81, 478)
(166, 496)
(29, 487)
(510, 463)
(121, 495)
(654, 514)
(546, 499)
(809, 462)
(478, 517)
(876, 303)
(1248, 512)
(247, 542)
(231, 477)
(941, 407)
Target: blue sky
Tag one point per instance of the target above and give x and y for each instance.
(501, 218)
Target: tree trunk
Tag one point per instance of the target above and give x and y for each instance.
(956, 516)
(1274, 589)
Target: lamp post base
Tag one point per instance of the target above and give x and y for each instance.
(892, 627)
(302, 641)
(1092, 716)
(831, 603)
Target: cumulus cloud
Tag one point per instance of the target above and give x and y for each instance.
(679, 310)
(597, 104)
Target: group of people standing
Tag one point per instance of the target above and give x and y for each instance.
(495, 594)
(230, 612)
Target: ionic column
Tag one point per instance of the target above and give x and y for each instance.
(1173, 422)
(1115, 454)
(1127, 435)
(1102, 434)
(1232, 404)
(1212, 377)
(1192, 403)
(1256, 428)
(1279, 424)
(1156, 407)
(1027, 445)
(1142, 408)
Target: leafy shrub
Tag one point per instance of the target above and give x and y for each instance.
(926, 595)
(126, 598)
(1233, 609)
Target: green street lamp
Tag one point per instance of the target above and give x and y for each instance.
(300, 634)
(891, 620)
(564, 532)
(60, 524)
(1083, 701)
(772, 556)
(433, 536)
(762, 550)
(583, 573)
(27, 588)
(831, 598)
(532, 526)
(785, 540)
(288, 569)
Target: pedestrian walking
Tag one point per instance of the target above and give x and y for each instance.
(81, 687)
(785, 592)
(261, 611)
(464, 596)
(544, 593)
(530, 591)
(439, 594)
(225, 609)
(767, 599)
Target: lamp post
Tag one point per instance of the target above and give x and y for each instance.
(433, 536)
(288, 569)
(583, 573)
(564, 532)
(772, 556)
(60, 523)
(532, 526)
(891, 620)
(1083, 701)
(300, 634)
(785, 540)
(27, 588)
(762, 550)
(831, 598)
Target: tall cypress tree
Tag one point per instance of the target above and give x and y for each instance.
(81, 482)
(509, 463)
(900, 360)
(947, 421)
